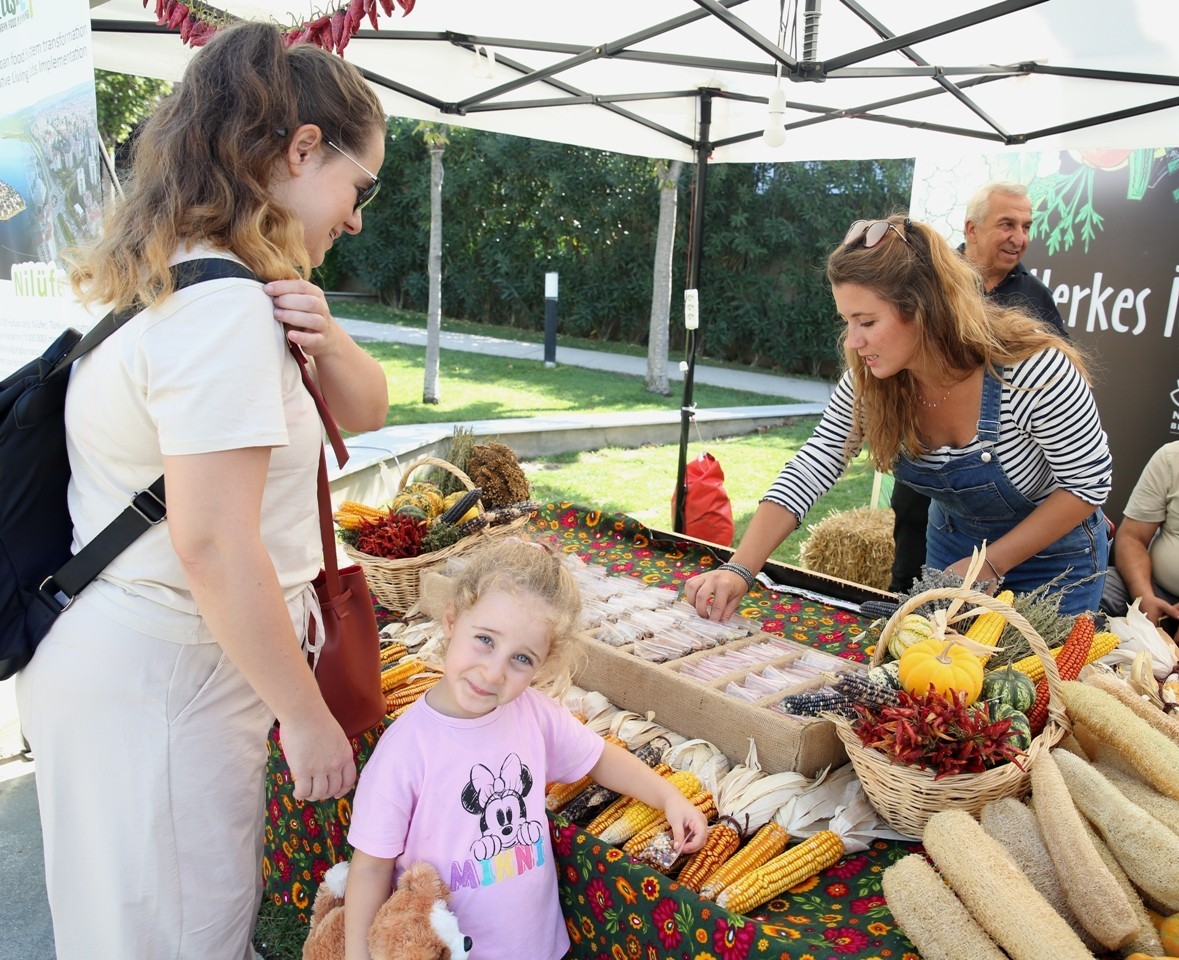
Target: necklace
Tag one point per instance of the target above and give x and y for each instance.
(933, 404)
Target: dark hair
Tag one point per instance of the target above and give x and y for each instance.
(203, 162)
(958, 329)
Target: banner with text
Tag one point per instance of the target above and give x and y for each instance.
(1104, 241)
(50, 169)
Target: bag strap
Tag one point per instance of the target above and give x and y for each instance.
(331, 567)
(147, 507)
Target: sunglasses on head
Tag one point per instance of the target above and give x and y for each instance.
(873, 231)
(362, 196)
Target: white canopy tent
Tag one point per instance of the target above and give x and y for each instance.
(693, 79)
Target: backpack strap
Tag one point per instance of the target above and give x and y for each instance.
(147, 507)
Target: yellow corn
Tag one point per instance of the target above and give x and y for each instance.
(394, 676)
(721, 843)
(702, 800)
(350, 513)
(410, 692)
(784, 871)
(618, 807)
(640, 815)
(392, 653)
(767, 843)
(1102, 644)
(988, 627)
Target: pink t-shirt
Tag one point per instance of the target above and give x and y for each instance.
(468, 797)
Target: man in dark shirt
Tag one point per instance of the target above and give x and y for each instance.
(998, 227)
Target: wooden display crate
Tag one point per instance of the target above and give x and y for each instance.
(696, 708)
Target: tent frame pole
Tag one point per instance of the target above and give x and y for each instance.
(692, 282)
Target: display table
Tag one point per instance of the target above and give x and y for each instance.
(615, 908)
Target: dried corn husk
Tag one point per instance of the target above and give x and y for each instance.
(587, 703)
(636, 730)
(602, 723)
(1137, 633)
(701, 757)
(752, 797)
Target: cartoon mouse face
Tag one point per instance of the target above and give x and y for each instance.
(498, 801)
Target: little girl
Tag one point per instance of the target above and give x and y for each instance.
(459, 779)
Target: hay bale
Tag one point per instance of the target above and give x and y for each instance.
(855, 545)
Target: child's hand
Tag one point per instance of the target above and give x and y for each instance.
(689, 827)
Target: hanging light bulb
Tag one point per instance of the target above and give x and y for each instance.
(775, 131)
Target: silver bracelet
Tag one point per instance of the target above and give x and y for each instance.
(742, 571)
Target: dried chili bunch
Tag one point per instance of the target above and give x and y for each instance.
(932, 732)
(394, 536)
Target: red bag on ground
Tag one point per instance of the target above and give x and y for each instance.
(708, 512)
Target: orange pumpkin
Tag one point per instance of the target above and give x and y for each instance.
(942, 664)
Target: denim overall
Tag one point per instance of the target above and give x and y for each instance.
(974, 501)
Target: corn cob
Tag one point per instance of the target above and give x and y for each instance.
(409, 693)
(1154, 757)
(721, 843)
(1143, 847)
(1102, 644)
(766, 844)
(988, 626)
(619, 807)
(857, 687)
(1068, 664)
(581, 809)
(931, 916)
(350, 513)
(394, 676)
(392, 652)
(1091, 890)
(996, 892)
(778, 875)
(639, 815)
(702, 800)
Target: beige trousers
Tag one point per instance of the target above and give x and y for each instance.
(150, 759)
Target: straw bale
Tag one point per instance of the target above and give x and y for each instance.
(854, 545)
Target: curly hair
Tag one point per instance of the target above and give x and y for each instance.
(202, 164)
(958, 329)
(539, 578)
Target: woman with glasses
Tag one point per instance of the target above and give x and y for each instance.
(977, 406)
(149, 703)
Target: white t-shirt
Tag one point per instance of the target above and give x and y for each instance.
(1156, 500)
(205, 370)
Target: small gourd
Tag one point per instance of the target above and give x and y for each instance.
(912, 629)
(887, 673)
(943, 664)
(1009, 686)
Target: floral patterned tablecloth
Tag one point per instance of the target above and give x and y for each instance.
(616, 909)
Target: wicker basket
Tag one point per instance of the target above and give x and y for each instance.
(907, 797)
(397, 583)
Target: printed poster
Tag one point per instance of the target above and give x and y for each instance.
(1104, 240)
(50, 169)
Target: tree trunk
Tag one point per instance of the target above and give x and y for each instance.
(431, 390)
(669, 179)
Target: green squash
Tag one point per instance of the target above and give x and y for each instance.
(887, 674)
(1009, 686)
(1021, 730)
(412, 510)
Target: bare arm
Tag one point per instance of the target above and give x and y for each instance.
(214, 507)
(771, 524)
(370, 881)
(1132, 561)
(352, 382)
(625, 773)
(1050, 521)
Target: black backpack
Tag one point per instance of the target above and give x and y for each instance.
(38, 577)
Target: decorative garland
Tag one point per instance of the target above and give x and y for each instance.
(331, 31)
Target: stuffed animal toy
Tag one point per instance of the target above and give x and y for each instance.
(415, 923)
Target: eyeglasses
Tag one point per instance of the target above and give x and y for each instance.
(362, 196)
(873, 231)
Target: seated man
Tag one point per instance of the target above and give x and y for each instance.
(1146, 546)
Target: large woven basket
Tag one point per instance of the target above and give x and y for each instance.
(397, 583)
(907, 797)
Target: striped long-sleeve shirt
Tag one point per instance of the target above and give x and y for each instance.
(1050, 438)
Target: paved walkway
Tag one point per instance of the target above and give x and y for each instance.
(813, 391)
(24, 912)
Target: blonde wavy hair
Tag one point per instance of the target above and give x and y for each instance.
(958, 329)
(203, 163)
(535, 575)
